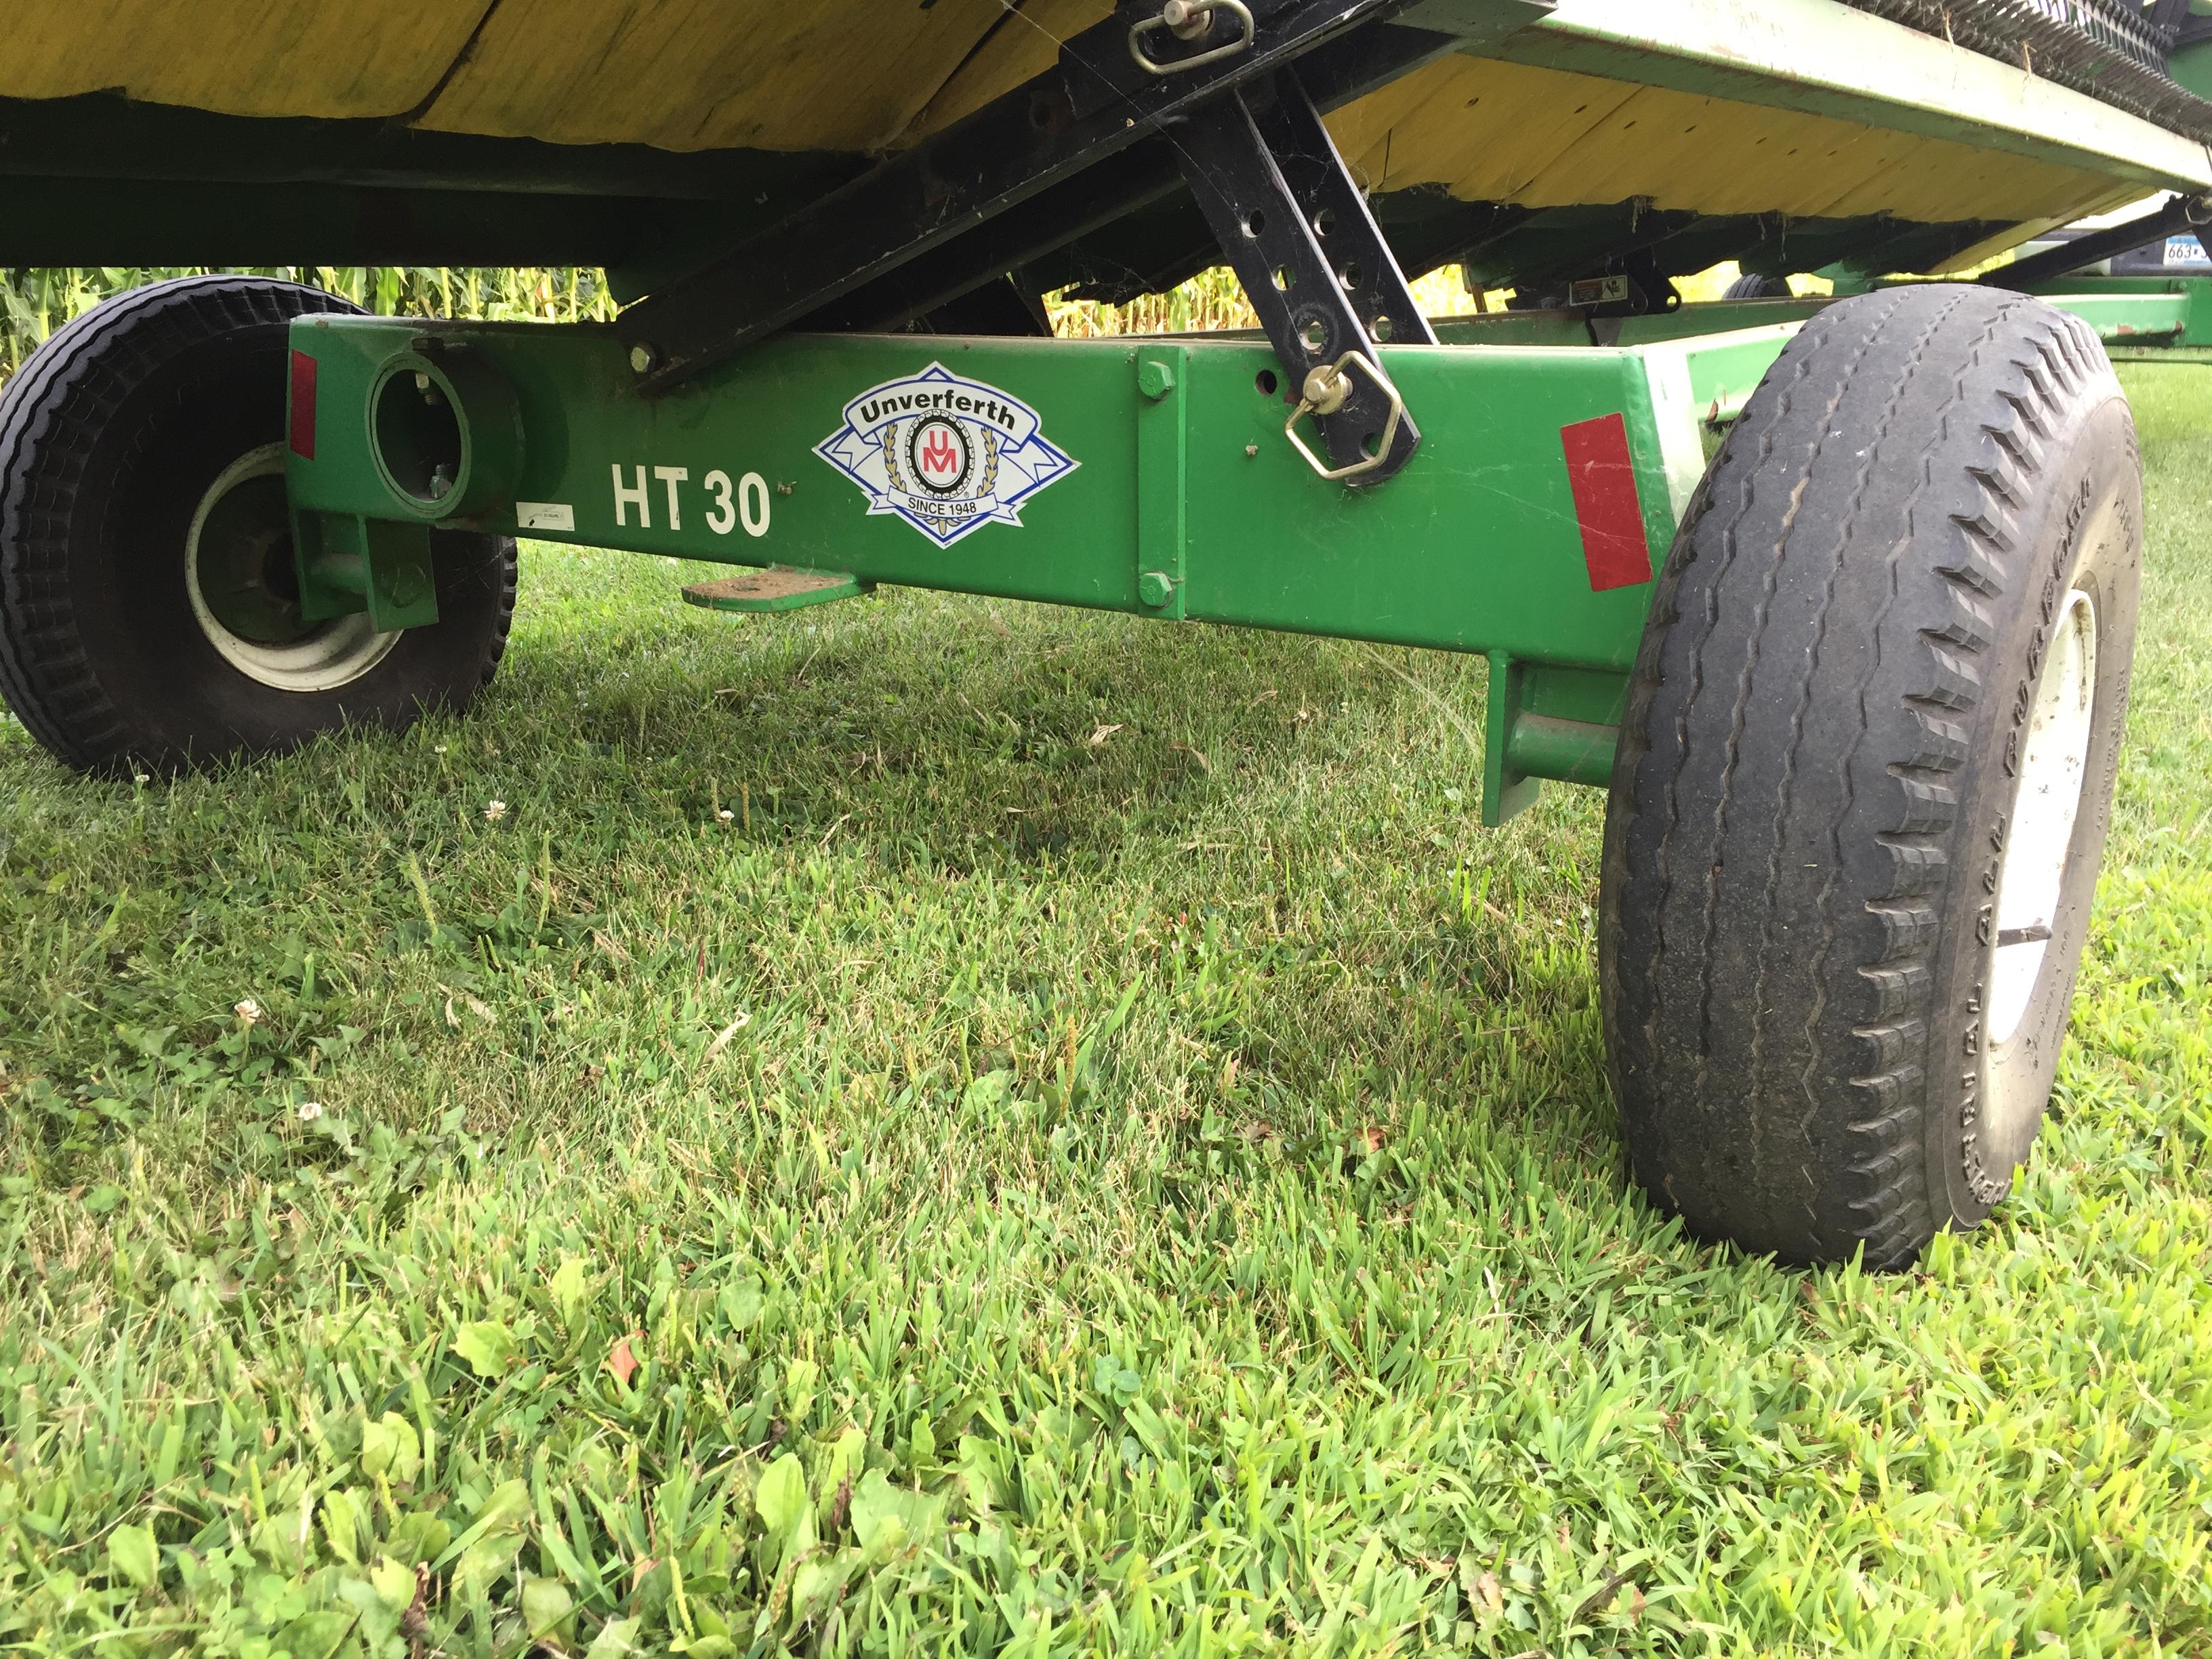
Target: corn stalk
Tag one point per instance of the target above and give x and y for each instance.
(34, 302)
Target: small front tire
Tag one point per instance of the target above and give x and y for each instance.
(148, 605)
(1757, 285)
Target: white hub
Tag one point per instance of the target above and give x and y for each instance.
(317, 657)
(2047, 799)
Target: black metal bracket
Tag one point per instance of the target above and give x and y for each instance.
(1098, 102)
(2178, 216)
(1631, 286)
(1295, 227)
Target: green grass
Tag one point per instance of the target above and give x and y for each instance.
(1097, 1153)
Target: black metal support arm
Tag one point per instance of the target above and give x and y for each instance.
(1100, 101)
(1313, 264)
(1096, 103)
(2183, 213)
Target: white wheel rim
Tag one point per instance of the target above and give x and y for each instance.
(334, 654)
(2047, 799)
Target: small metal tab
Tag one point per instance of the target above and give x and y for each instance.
(777, 588)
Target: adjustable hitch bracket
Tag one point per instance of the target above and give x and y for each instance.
(1296, 229)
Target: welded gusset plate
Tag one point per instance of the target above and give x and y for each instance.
(1313, 264)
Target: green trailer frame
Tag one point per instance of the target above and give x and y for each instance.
(1186, 501)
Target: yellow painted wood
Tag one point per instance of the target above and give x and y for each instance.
(860, 75)
(1023, 46)
(1981, 253)
(1491, 130)
(331, 58)
(711, 74)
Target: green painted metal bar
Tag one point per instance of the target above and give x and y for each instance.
(1516, 328)
(1720, 317)
(1546, 721)
(1162, 478)
(2125, 309)
(761, 593)
(2139, 317)
(1578, 328)
(1728, 346)
(1150, 477)
(1180, 471)
(1725, 370)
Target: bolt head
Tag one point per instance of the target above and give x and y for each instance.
(1155, 379)
(1186, 20)
(643, 358)
(1155, 587)
(1326, 389)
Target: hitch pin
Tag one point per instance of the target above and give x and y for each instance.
(1327, 388)
(1191, 20)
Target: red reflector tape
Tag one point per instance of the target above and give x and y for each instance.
(1606, 505)
(303, 405)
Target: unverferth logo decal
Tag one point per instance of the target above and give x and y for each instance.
(946, 455)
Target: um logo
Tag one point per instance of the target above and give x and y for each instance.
(948, 455)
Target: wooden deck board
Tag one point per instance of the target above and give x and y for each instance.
(864, 75)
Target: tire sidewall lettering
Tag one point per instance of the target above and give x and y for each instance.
(1978, 1170)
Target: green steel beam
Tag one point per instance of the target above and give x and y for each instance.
(1726, 345)
(2138, 318)
(1577, 328)
(1546, 721)
(1516, 328)
(1722, 317)
(1826, 58)
(1526, 529)
(1724, 370)
(1185, 499)
(2133, 315)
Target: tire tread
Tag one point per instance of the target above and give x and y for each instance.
(50, 412)
(1787, 1149)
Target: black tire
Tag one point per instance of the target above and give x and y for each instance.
(1816, 778)
(111, 436)
(1754, 286)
